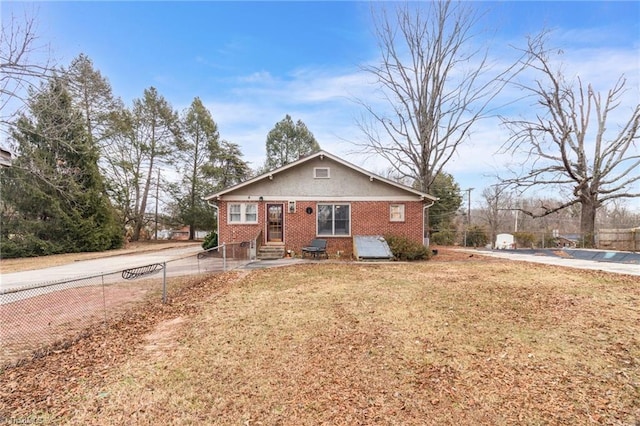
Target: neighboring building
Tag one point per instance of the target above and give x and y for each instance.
(164, 234)
(319, 196)
(180, 234)
(5, 158)
(566, 241)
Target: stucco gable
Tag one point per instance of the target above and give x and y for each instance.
(298, 180)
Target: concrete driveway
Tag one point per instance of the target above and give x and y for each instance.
(570, 260)
(93, 267)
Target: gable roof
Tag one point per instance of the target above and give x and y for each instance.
(321, 155)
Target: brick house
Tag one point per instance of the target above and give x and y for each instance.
(318, 196)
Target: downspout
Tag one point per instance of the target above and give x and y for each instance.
(215, 206)
(425, 240)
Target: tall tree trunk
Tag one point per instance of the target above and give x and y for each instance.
(588, 220)
(143, 203)
(194, 178)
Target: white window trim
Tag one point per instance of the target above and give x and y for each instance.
(243, 213)
(402, 212)
(333, 234)
(315, 173)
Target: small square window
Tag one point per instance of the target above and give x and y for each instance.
(321, 172)
(396, 212)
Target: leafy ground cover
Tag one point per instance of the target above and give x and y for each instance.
(455, 340)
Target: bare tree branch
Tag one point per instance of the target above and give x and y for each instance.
(567, 144)
(435, 83)
(20, 72)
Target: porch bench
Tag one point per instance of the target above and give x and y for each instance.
(316, 248)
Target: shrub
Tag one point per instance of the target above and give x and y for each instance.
(210, 241)
(27, 245)
(525, 239)
(406, 249)
(446, 237)
(476, 237)
(548, 241)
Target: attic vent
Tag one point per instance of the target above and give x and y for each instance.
(321, 172)
(292, 207)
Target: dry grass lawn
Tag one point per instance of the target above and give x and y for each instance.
(468, 341)
(30, 263)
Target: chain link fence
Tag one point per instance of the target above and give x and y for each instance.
(478, 236)
(41, 316)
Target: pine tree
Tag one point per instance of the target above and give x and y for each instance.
(145, 140)
(287, 142)
(53, 195)
(92, 95)
(229, 167)
(199, 143)
(443, 212)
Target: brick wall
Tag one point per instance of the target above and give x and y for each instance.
(372, 218)
(367, 218)
(237, 233)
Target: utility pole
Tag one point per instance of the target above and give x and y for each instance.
(157, 191)
(468, 190)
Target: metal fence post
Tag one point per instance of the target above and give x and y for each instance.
(104, 300)
(164, 282)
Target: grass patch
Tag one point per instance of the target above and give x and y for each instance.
(466, 342)
(30, 263)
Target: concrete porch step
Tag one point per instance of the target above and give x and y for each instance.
(271, 252)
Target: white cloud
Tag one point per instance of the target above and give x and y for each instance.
(260, 77)
(323, 99)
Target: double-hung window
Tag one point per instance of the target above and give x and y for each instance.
(396, 212)
(334, 219)
(243, 213)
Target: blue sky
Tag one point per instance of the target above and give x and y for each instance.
(253, 62)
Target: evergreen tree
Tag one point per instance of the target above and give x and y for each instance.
(229, 167)
(53, 197)
(199, 144)
(287, 142)
(443, 212)
(92, 95)
(145, 139)
(123, 161)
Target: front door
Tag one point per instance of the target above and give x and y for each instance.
(274, 223)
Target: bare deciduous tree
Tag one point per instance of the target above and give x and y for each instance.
(435, 82)
(571, 144)
(496, 210)
(22, 65)
(144, 139)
